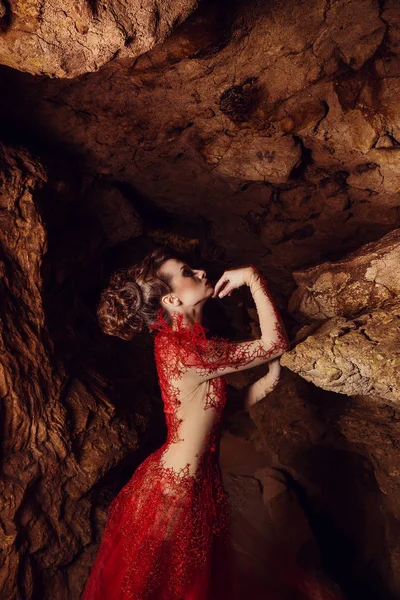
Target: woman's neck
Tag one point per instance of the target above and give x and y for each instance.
(191, 316)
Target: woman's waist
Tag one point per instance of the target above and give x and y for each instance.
(193, 433)
(183, 462)
(193, 447)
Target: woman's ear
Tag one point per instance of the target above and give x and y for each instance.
(170, 300)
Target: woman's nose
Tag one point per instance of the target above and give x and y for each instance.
(202, 274)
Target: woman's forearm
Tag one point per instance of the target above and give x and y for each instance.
(263, 386)
(273, 332)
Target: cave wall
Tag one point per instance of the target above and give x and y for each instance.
(64, 424)
(250, 132)
(285, 122)
(66, 39)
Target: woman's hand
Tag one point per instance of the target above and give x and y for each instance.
(231, 280)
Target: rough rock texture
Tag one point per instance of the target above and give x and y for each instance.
(287, 123)
(359, 354)
(266, 517)
(339, 456)
(353, 356)
(355, 352)
(61, 433)
(364, 279)
(118, 218)
(262, 132)
(67, 38)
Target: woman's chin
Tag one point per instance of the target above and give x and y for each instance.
(208, 292)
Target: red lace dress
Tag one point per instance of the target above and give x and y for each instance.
(167, 535)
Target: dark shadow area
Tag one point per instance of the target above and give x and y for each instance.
(121, 127)
(346, 519)
(6, 16)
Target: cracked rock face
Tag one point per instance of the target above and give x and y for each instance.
(355, 352)
(359, 354)
(288, 123)
(250, 158)
(353, 356)
(47, 412)
(67, 38)
(365, 278)
(249, 132)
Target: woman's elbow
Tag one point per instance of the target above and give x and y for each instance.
(275, 348)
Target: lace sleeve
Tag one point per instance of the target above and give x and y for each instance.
(220, 357)
(187, 348)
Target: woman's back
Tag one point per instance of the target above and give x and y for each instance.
(167, 535)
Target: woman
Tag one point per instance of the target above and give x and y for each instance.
(167, 531)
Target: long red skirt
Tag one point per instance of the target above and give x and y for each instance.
(167, 537)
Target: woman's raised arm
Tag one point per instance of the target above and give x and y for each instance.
(221, 357)
(272, 330)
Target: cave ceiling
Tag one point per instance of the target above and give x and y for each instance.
(263, 132)
(274, 123)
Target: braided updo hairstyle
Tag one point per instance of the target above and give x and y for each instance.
(130, 302)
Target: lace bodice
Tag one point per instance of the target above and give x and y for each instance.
(168, 531)
(192, 369)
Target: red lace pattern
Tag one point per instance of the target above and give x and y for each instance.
(167, 535)
(171, 527)
(279, 327)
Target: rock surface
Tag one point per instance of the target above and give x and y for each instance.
(364, 279)
(339, 457)
(360, 354)
(287, 124)
(68, 38)
(353, 356)
(249, 132)
(355, 352)
(61, 433)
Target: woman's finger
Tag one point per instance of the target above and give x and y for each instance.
(227, 290)
(220, 283)
(217, 286)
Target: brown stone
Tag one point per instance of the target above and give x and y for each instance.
(66, 39)
(254, 132)
(365, 278)
(353, 356)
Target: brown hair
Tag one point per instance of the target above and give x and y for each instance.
(131, 300)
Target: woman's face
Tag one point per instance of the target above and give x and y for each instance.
(189, 285)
